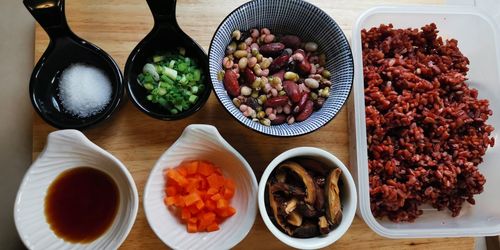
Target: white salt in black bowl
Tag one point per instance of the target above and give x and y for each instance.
(66, 49)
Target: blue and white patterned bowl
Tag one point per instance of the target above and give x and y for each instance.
(288, 17)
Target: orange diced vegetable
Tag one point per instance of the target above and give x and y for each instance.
(192, 228)
(185, 214)
(215, 181)
(212, 191)
(171, 191)
(191, 198)
(205, 168)
(177, 177)
(191, 167)
(222, 203)
(210, 205)
(216, 197)
(169, 200)
(228, 193)
(201, 195)
(200, 204)
(213, 227)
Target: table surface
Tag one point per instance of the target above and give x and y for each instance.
(138, 140)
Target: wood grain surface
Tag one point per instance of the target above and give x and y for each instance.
(138, 140)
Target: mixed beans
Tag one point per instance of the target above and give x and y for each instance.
(274, 79)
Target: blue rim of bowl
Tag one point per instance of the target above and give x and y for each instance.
(255, 129)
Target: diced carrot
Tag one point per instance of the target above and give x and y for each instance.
(193, 209)
(192, 185)
(202, 226)
(216, 197)
(215, 181)
(201, 195)
(185, 214)
(213, 227)
(210, 205)
(191, 167)
(226, 212)
(228, 193)
(192, 228)
(218, 170)
(175, 176)
(208, 217)
(179, 201)
(205, 168)
(171, 191)
(200, 204)
(182, 171)
(230, 184)
(212, 191)
(193, 220)
(169, 201)
(191, 198)
(222, 203)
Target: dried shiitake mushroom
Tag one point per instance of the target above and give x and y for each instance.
(304, 197)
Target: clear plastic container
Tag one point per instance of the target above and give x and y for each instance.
(477, 39)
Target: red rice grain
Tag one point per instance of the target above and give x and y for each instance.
(426, 128)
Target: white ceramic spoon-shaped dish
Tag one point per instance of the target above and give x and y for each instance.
(67, 149)
(202, 142)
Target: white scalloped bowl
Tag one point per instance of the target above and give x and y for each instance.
(202, 142)
(67, 149)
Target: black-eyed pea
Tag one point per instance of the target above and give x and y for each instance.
(311, 83)
(231, 48)
(242, 46)
(326, 74)
(269, 38)
(248, 41)
(254, 33)
(240, 53)
(246, 91)
(252, 61)
(242, 63)
(228, 63)
(236, 35)
(259, 57)
(311, 46)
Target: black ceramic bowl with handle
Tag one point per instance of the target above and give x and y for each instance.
(166, 36)
(65, 49)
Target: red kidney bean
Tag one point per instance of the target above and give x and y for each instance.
(305, 66)
(302, 103)
(249, 76)
(231, 83)
(279, 63)
(308, 109)
(277, 101)
(291, 41)
(292, 90)
(280, 119)
(271, 49)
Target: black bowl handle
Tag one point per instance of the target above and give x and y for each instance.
(50, 15)
(163, 12)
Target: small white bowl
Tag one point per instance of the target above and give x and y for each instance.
(68, 149)
(348, 198)
(202, 142)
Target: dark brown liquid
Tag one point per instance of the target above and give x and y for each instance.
(81, 204)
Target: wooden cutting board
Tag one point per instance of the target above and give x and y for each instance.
(138, 140)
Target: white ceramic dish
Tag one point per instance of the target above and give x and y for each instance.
(477, 39)
(348, 198)
(67, 149)
(202, 142)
